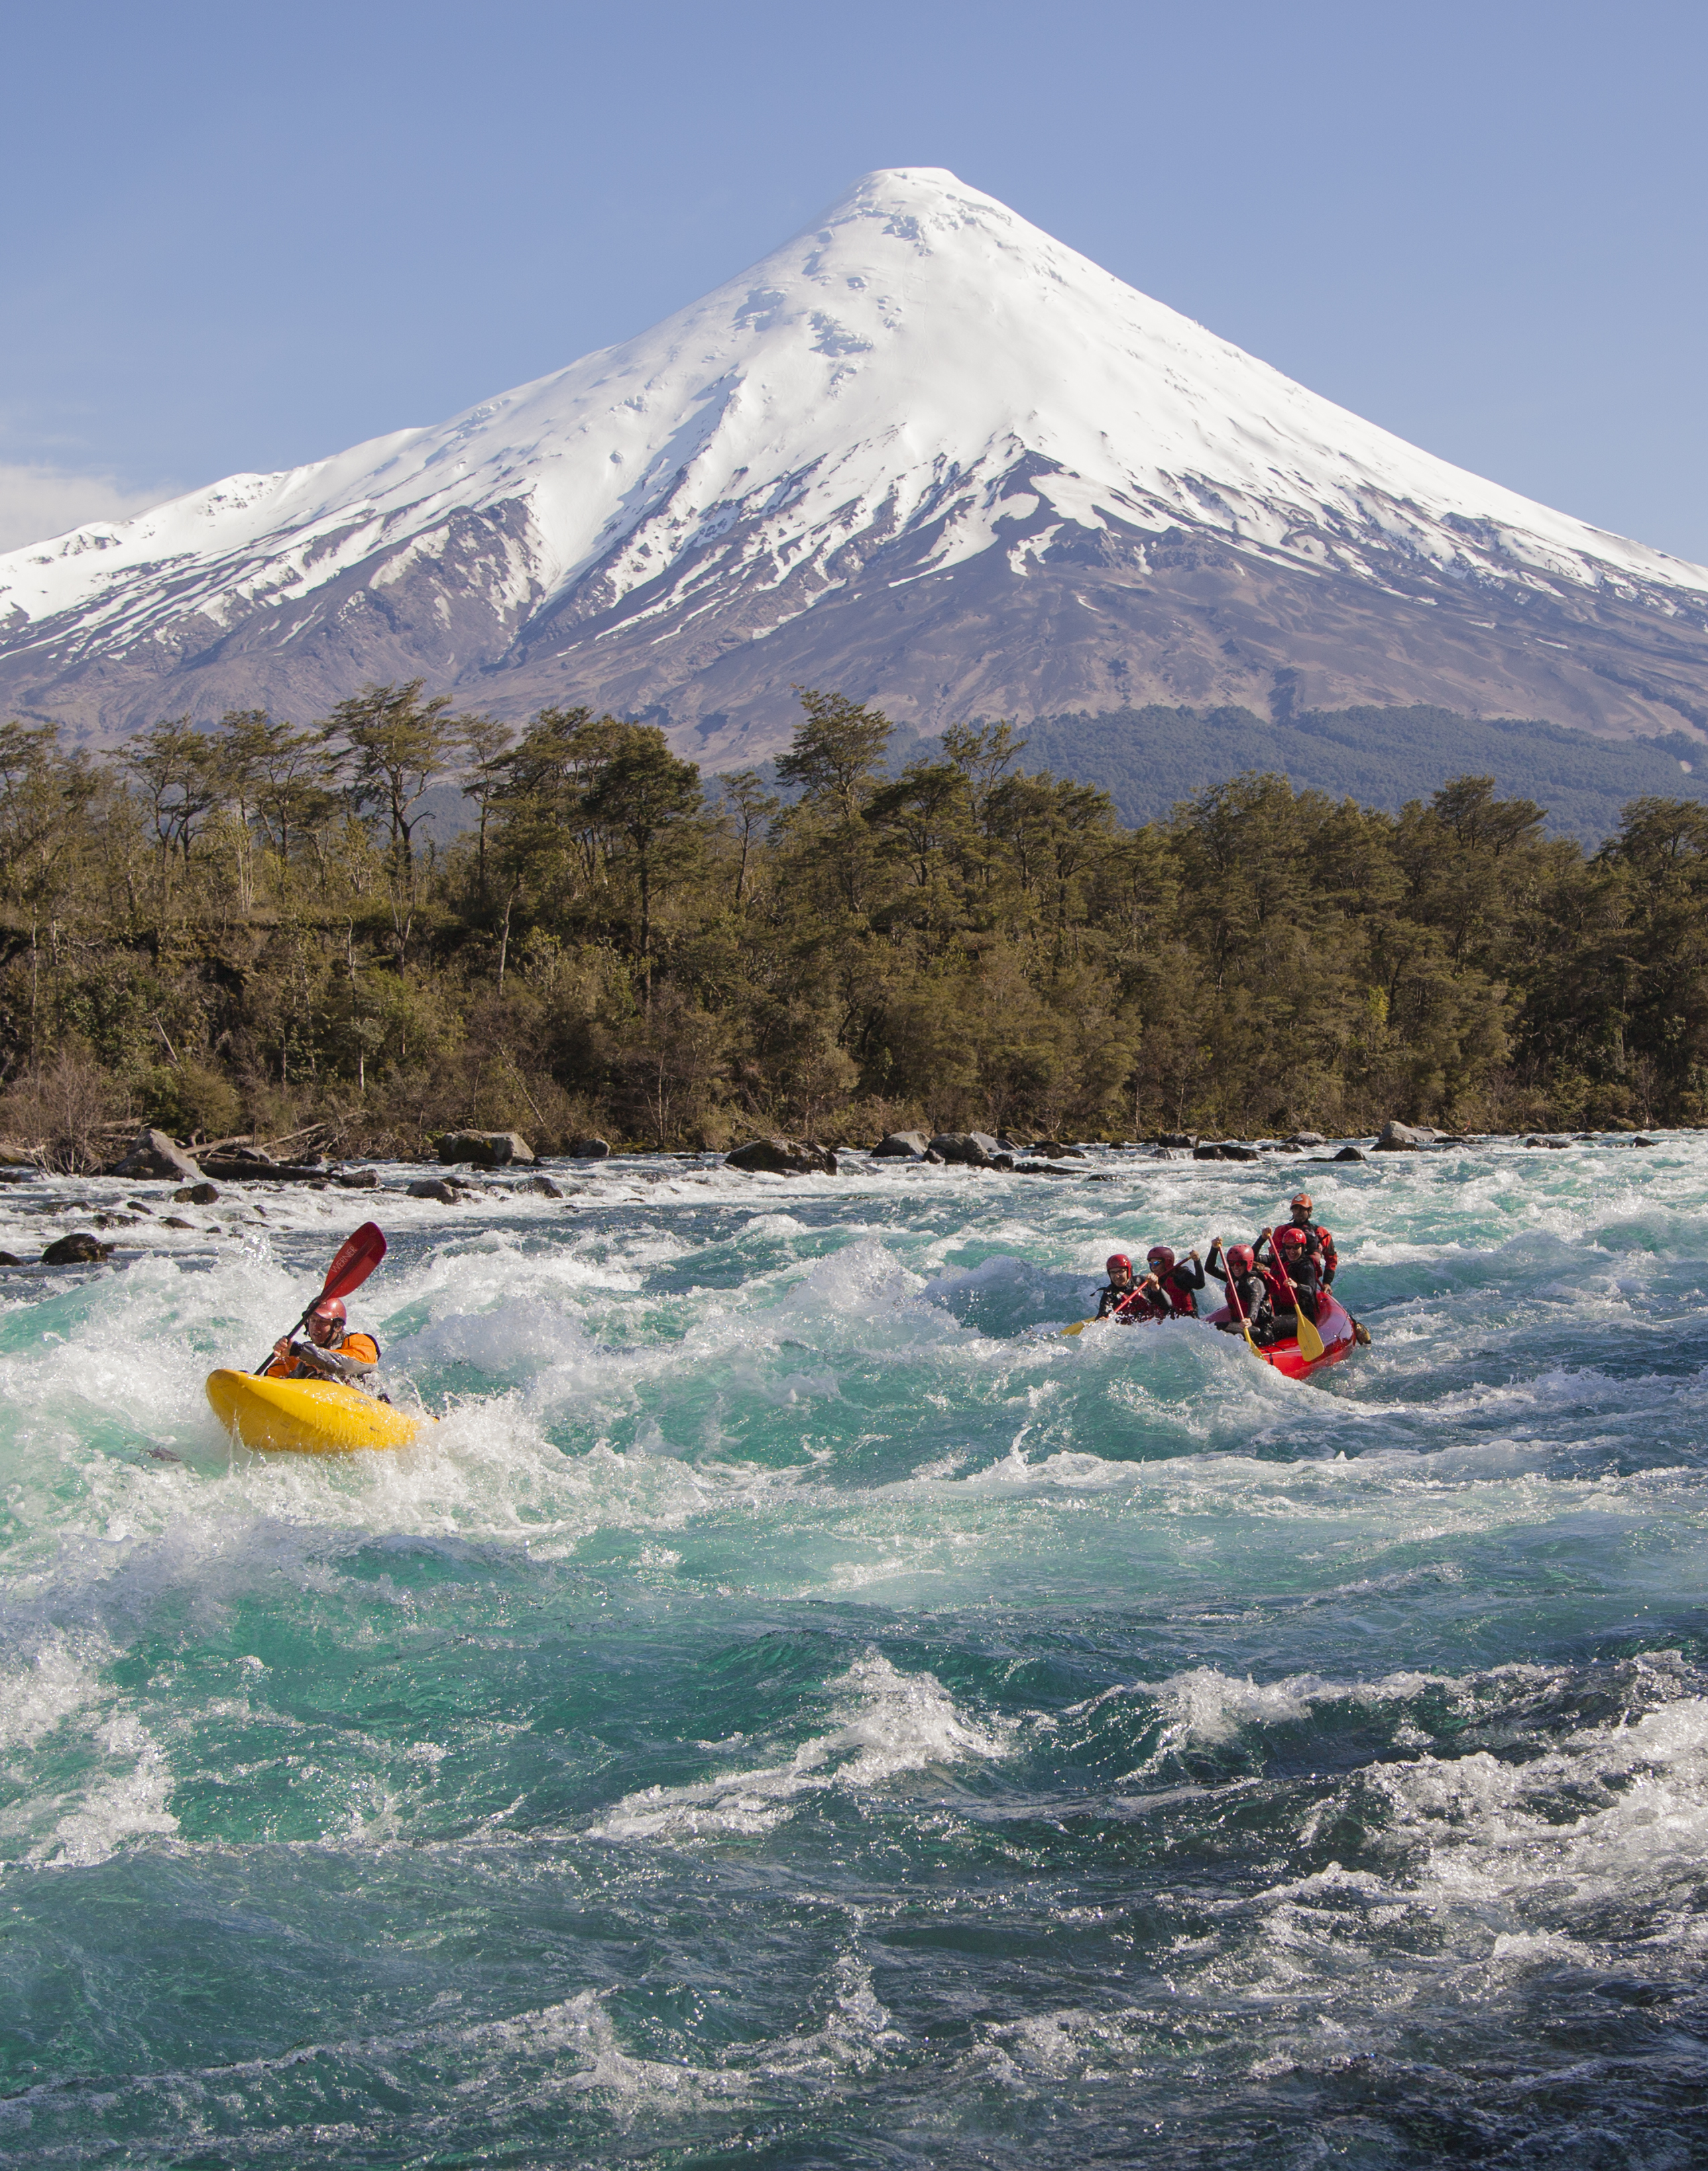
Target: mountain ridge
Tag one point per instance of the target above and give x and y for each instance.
(922, 452)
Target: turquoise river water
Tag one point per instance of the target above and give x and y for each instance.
(797, 1709)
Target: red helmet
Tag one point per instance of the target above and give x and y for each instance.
(1242, 1258)
(1301, 1199)
(330, 1307)
(1291, 1237)
(1117, 1262)
(1160, 1258)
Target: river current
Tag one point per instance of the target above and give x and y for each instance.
(798, 1709)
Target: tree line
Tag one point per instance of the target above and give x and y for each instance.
(246, 929)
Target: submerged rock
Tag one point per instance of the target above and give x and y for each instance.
(1351, 1153)
(196, 1194)
(79, 1249)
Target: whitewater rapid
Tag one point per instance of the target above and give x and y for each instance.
(797, 1707)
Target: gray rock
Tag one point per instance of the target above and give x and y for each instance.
(1350, 1153)
(1401, 1138)
(357, 1179)
(901, 1145)
(933, 1156)
(776, 1156)
(589, 1148)
(9, 1259)
(1645, 1142)
(154, 1153)
(541, 1185)
(176, 1221)
(196, 1194)
(969, 1148)
(1186, 1139)
(434, 1187)
(484, 1149)
(79, 1249)
(1306, 1139)
(1226, 1149)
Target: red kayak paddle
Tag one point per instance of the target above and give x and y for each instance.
(356, 1258)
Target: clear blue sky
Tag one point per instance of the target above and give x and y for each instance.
(239, 237)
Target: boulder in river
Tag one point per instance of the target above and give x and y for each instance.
(1401, 1138)
(484, 1149)
(1306, 1139)
(196, 1194)
(1225, 1149)
(902, 1145)
(154, 1153)
(776, 1156)
(969, 1148)
(1351, 1153)
(436, 1188)
(79, 1249)
(10, 1259)
(588, 1149)
(542, 1186)
(357, 1179)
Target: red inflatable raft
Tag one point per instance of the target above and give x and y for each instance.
(1334, 1324)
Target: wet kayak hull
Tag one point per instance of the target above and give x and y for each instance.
(306, 1417)
(1334, 1324)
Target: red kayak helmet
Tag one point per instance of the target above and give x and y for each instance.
(330, 1307)
(1291, 1238)
(1302, 1199)
(1242, 1258)
(1160, 1258)
(1117, 1262)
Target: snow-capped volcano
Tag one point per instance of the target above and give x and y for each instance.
(923, 453)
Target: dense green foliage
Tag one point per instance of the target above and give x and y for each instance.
(242, 929)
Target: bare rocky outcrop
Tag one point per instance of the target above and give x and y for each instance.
(484, 1149)
(588, 1149)
(778, 1156)
(154, 1153)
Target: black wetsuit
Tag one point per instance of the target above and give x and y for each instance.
(1133, 1304)
(1252, 1293)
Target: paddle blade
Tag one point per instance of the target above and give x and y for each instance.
(357, 1257)
(1078, 1327)
(1310, 1342)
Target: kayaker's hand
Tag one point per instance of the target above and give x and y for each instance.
(281, 1347)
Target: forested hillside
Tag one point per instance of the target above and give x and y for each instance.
(242, 930)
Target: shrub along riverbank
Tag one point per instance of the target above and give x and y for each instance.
(242, 929)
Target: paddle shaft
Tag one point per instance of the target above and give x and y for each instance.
(1233, 1292)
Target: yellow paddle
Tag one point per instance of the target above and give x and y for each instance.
(1310, 1342)
(1233, 1295)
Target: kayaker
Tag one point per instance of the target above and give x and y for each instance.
(1181, 1279)
(1236, 1264)
(1127, 1298)
(332, 1352)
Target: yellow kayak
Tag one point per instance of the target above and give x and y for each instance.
(307, 1416)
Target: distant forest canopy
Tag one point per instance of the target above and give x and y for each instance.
(244, 930)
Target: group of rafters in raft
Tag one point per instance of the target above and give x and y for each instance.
(1279, 1293)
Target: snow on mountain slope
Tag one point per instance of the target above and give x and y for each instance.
(919, 381)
